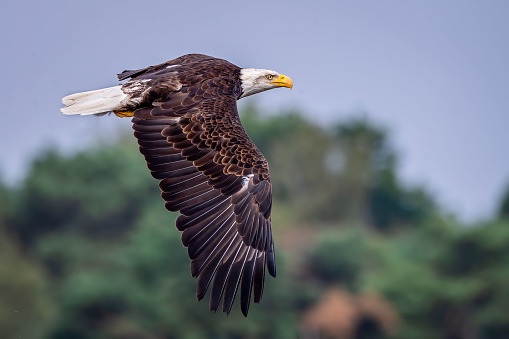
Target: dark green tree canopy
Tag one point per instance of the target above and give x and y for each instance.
(88, 250)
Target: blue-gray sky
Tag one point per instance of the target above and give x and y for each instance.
(436, 73)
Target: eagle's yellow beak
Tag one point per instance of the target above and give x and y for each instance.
(282, 81)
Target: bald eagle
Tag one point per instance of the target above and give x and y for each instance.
(184, 115)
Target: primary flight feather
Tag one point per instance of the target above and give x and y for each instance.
(185, 117)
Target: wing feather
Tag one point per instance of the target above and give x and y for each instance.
(212, 173)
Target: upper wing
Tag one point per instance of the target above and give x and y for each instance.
(215, 176)
(183, 60)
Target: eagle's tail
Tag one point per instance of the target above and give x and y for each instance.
(94, 102)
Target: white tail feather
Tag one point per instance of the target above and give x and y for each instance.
(94, 102)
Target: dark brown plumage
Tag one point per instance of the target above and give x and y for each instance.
(188, 129)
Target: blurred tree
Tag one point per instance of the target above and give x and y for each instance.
(338, 258)
(447, 282)
(367, 189)
(94, 229)
(26, 308)
(5, 203)
(390, 204)
(365, 151)
(504, 205)
(95, 193)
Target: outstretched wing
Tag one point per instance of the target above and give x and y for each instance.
(213, 174)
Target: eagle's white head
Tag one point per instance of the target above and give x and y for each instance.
(258, 80)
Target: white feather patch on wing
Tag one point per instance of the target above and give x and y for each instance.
(245, 180)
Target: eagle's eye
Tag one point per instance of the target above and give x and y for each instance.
(269, 76)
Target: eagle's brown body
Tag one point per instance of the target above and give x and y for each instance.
(187, 125)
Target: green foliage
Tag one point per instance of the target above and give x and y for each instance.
(87, 249)
(97, 193)
(392, 205)
(337, 258)
(504, 205)
(26, 309)
(4, 203)
(446, 282)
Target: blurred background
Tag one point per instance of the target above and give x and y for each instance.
(388, 160)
